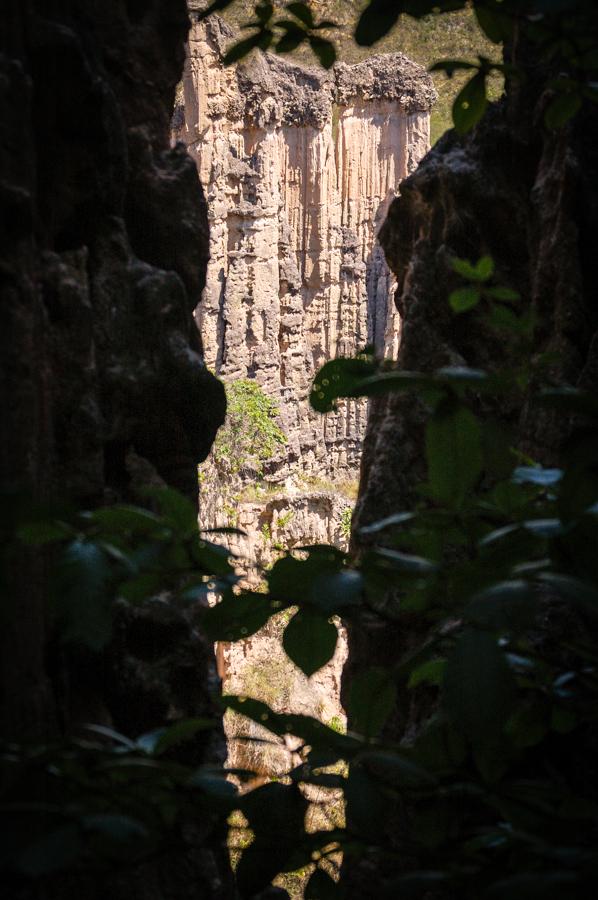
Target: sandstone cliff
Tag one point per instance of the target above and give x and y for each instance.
(299, 168)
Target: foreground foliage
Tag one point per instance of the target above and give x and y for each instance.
(494, 567)
(250, 434)
(497, 559)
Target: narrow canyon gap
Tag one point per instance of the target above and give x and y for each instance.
(299, 166)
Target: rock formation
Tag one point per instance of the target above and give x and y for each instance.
(526, 195)
(103, 256)
(299, 167)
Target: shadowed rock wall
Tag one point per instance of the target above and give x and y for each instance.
(103, 256)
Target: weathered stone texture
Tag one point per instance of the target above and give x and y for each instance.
(103, 254)
(299, 167)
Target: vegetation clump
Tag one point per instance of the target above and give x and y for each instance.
(250, 435)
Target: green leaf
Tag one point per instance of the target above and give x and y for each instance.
(478, 688)
(569, 399)
(321, 581)
(404, 562)
(395, 770)
(496, 25)
(470, 104)
(82, 599)
(453, 452)
(212, 780)
(506, 605)
(395, 519)
(480, 272)
(124, 518)
(430, 672)
(537, 475)
(310, 640)
(564, 106)
(505, 294)
(366, 806)
(528, 724)
(463, 299)
(321, 886)
(161, 740)
(44, 532)
(237, 616)
(176, 509)
(372, 697)
(338, 378)
(310, 730)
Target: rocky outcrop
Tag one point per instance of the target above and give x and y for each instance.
(299, 167)
(526, 195)
(103, 255)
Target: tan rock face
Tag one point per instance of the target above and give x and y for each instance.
(299, 167)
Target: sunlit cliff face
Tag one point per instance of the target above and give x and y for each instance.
(299, 167)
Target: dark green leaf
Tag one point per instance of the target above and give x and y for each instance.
(338, 378)
(478, 688)
(496, 25)
(537, 475)
(564, 106)
(312, 732)
(505, 294)
(463, 299)
(176, 509)
(366, 806)
(387, 522)
(395, 770)
(161, 740)
(125, 518)
(82, 600)
(372, 697)
(237, 616)
(470, 104)
(44, 532)
(404, 562)
(479, 272)
(212, 780)
(430, 672)
(310, 640)
(507, 605)
(453, 452)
